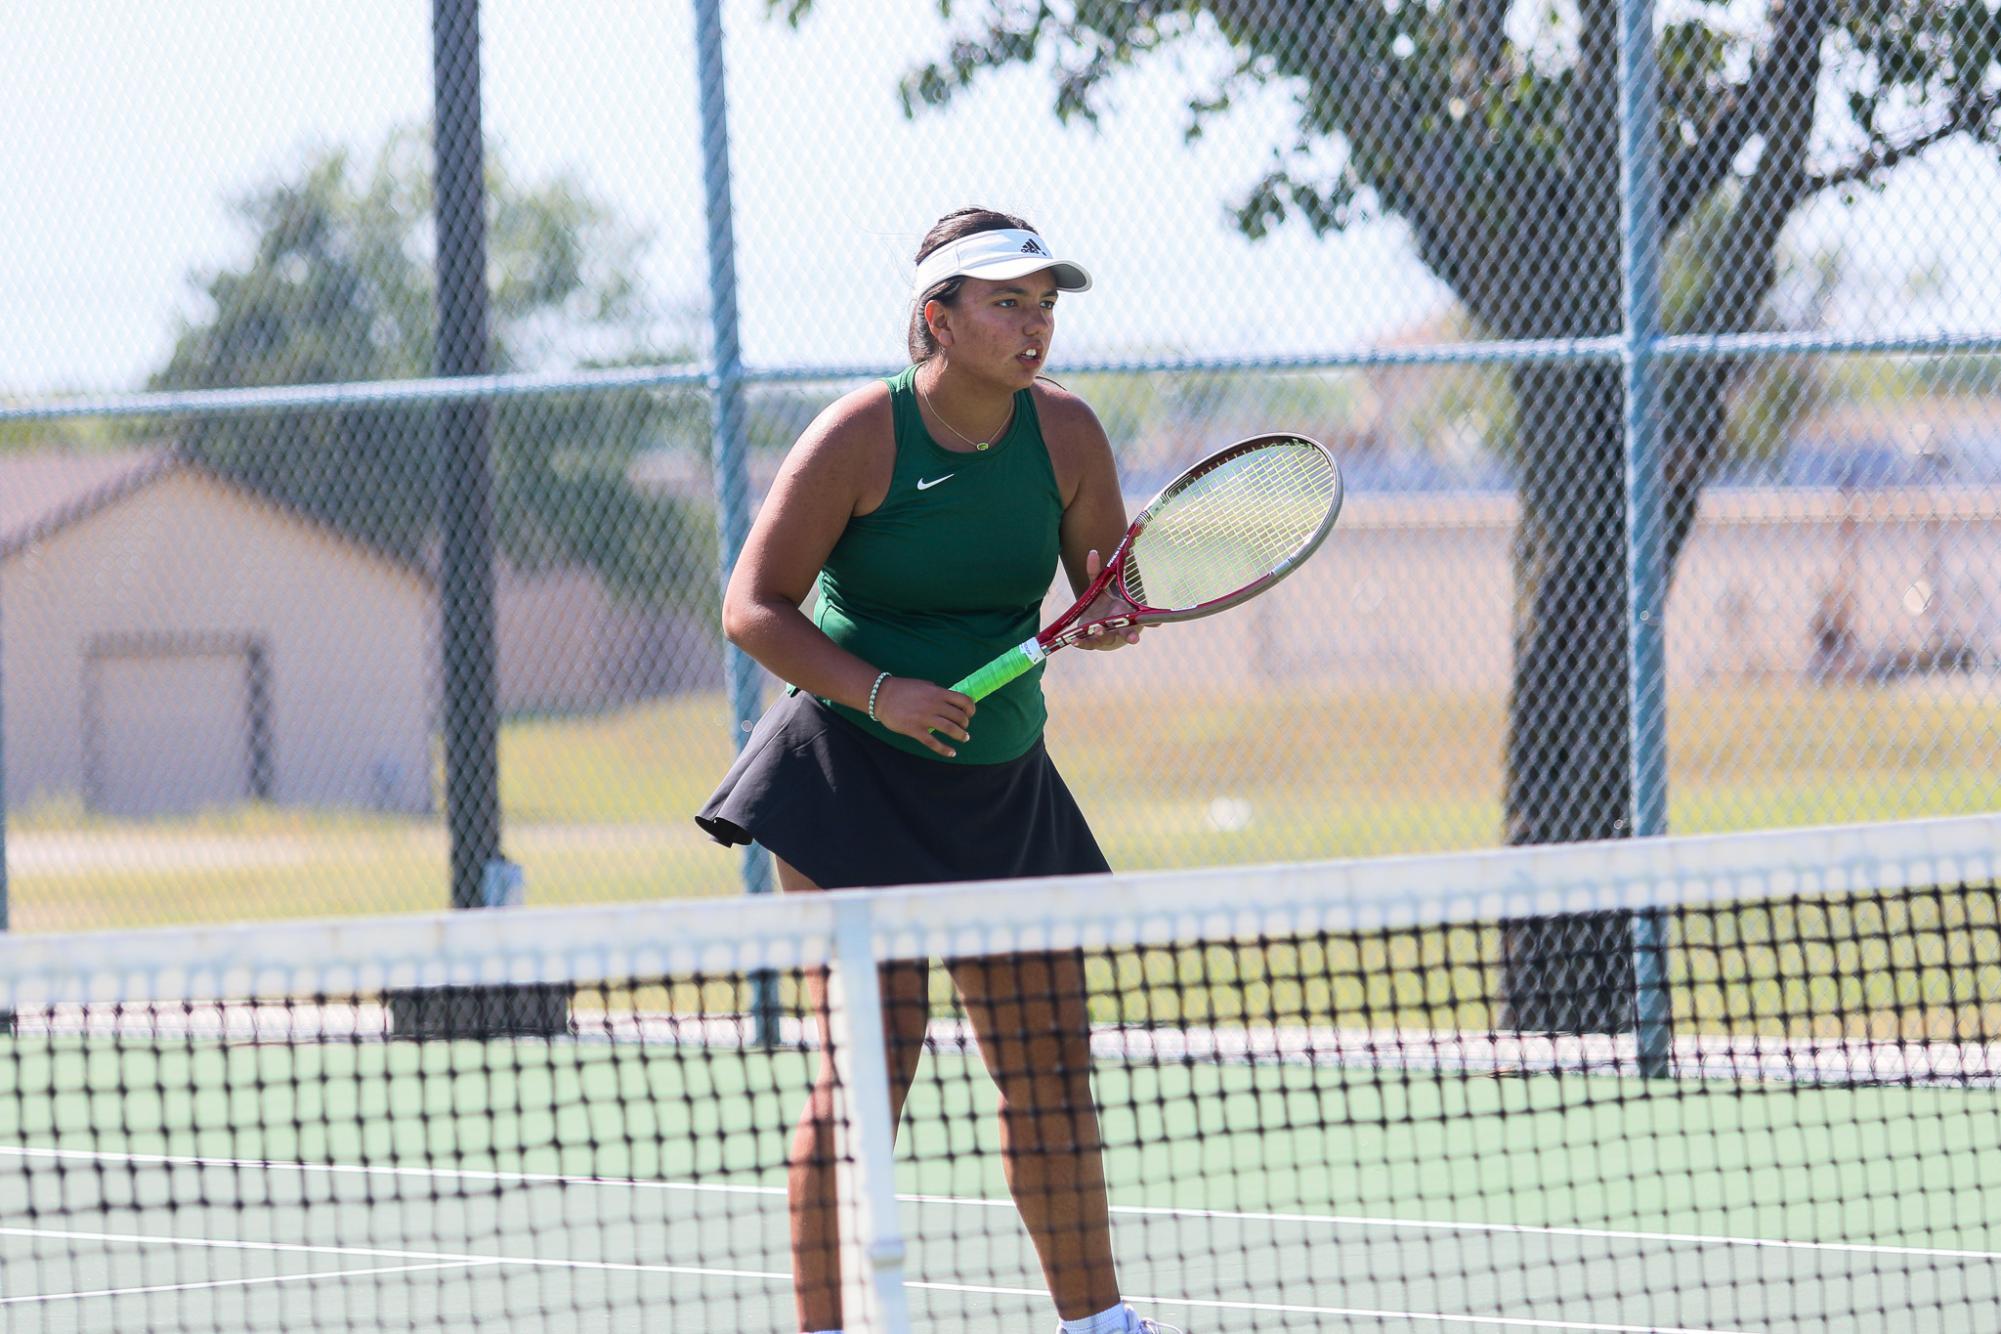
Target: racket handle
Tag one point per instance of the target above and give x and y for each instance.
(1001, 670)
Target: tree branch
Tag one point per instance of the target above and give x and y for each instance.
(1969, 113)
(1691, 176)
(1743, 272)
(1404, 144)
(1746, 263)
(1482, 38)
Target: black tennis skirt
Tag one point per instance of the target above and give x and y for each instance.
(849, 812)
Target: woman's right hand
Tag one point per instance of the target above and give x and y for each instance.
(926, 712)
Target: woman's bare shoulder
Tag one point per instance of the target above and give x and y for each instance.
(849, 450)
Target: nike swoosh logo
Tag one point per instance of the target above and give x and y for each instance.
(926, 485)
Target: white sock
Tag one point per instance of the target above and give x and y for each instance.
(1114, 1320)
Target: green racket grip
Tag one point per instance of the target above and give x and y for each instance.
(1001, 670)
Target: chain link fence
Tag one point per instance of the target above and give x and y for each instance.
(1666, 376)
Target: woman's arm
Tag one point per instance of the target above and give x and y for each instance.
(838, 469)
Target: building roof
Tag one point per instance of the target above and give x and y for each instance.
(43, 491)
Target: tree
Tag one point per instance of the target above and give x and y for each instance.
(1491, 129)
(338, 288)
(69, 433)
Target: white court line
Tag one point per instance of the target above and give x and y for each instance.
(1363, 1312)
(46, 1297)
(1535, 1229)
(1322, 1220)
(371, 1170)
(445, 1257)
(452, 1260)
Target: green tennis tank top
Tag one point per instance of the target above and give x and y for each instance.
(950, 570)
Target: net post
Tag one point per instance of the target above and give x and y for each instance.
(484, 1010)
(872, 1247)
(1653, 1017)
(766, 1013)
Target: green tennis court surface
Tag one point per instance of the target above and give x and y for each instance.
(455, 1185)
(1314, 1113)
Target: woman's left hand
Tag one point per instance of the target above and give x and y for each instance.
(1105, 604)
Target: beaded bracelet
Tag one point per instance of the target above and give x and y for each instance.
(873, 691)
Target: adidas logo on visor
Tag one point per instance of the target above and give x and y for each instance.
(1030, 247)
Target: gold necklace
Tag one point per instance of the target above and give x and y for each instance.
(981, 445)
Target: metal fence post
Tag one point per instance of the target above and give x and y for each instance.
(727, 444)
(4, 924)
(471, 721)
(1646, 585)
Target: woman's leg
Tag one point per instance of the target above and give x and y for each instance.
(1034, 1032)
(810, 1183)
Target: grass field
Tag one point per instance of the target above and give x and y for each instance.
(596, 809)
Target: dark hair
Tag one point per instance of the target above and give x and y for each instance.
(959, 222)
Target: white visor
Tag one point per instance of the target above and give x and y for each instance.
(1001, 254)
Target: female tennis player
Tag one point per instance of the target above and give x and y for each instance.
(931, 510)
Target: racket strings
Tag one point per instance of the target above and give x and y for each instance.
(1232, 527)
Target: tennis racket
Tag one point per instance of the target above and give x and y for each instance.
(1220, 534)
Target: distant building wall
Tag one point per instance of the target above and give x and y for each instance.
(1417, 592)
(566, 644)
(190, 644)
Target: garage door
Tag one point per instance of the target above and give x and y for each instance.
(171, 729)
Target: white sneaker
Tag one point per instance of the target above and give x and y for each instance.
(1139, 1324)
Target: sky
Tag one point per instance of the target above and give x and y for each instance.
(135, 125)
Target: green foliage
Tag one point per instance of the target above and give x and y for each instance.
(564, 493)
(68, 433)
(1502, 86)
(337, 287)
(1974, 374)
(1491, 129)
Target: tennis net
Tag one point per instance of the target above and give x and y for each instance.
(1308, 1108)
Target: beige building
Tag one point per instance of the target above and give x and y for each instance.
(566, 644)
(170, 641)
